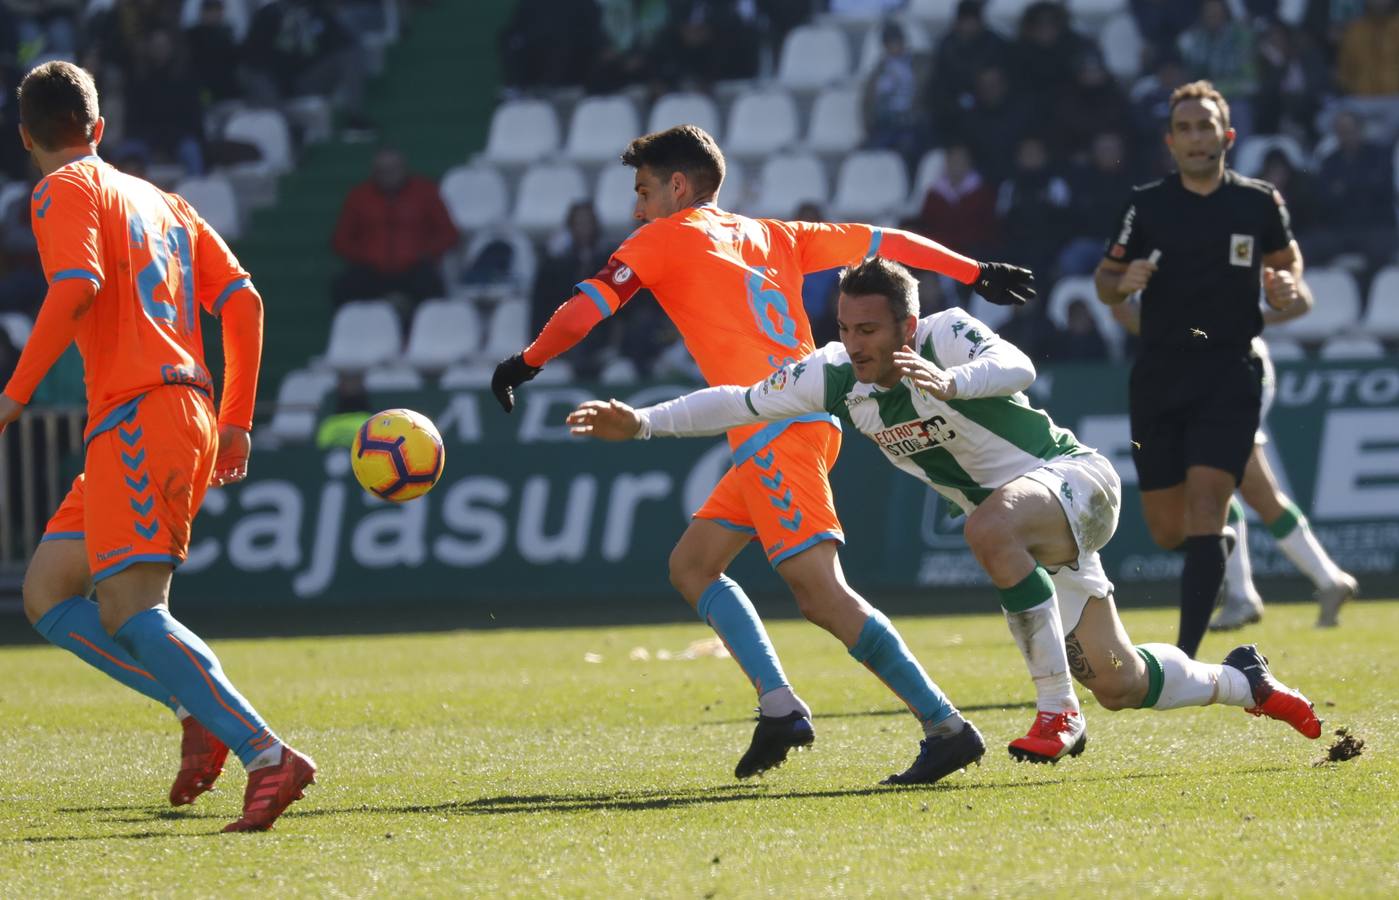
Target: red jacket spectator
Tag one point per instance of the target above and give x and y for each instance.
(960, 207)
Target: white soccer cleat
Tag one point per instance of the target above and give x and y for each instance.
(1237, 612)
(1331, 599)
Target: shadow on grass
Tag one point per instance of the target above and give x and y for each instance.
(132, 836)
(864, 713)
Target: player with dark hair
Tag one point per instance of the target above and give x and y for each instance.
(943, 398)
(130, 268)
(1198, 245)
(732, 286)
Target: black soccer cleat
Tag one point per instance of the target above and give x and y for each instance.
(1271, 697)
(940, 757)
(774, 736)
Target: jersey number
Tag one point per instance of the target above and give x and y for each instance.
(769, 307)
(157, 272)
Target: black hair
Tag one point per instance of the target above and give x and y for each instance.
(887, 279)
(684, 148)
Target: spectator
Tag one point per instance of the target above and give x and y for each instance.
(959, 209)
(1034, 207)
(1097, 189)
(392, 233)
(1161, 22)
(891, 101)
(1221, 50)
(629, 30)
(1292, 80)
(298, 47)
(1357, 196)
(1298, 188)
(119, 34)
(576, 253)
(15, 163)
(214, 54)
(23, 286)
(165, 115)
(549, 43)
(1081, 109)
(1079, 340)
(996, 119)
(782, 16)
(967, 48)
(1151, 107)
(708, 41)
(1046, 52)
(1368, 60)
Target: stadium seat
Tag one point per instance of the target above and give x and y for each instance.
(363, 334)
(600, 128)
(813, 56)
(509, 330)
(615, 197)
(936, 13)
(466, 377)
(761, 123)
(299, 402)
(1382, 310)
(475, 196)
(546, 192)
(522, 131)
(1004, 15)
(443, 332)
(267, 130)
(620, 371)
(1122, 46)
(1095, 10)
(1337, 307)
(836, 124)
(1080, 287)
(524, 259)
(13, 192)
(872, 45)
(393, 378)
(558, 371)
(871, 184)
(236, 14)
(736, 194)
(685, 109)
(863, 10)
(1283, 350)
(930, 169)
(1292, 11)
(1249, 155)
(213, 198)
(17, 326)
(786, 182)
(1352, 346)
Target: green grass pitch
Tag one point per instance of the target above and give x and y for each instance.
(502, 763)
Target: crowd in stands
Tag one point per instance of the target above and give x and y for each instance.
(1041, 126)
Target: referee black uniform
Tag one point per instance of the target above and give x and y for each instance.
(1196, 387)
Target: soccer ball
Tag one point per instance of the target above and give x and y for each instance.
(397, 455)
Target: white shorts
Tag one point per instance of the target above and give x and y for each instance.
(1091, 493)
(1270, 389)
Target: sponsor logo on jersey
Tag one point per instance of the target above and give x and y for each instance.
(908, 438)
(776, 381)
(1241, 249)
(1125, 235)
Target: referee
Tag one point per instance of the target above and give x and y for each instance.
(1198, 245)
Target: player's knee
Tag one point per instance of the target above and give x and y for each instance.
(1168, 535)
(41, 592)
(1117, 694)
(690, 576)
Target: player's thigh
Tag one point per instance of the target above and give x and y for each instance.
(1021, 515)
(1260, 487)
(56, 572)
(1102, 658)
(702, 554)
(787, 491)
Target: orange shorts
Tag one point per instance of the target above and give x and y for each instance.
(146, 470)
(781, 495)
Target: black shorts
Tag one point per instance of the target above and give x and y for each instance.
(1193, 409)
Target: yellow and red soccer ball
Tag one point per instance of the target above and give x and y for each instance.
(397, 455)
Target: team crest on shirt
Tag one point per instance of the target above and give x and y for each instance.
(1241, 250)
(621, 275)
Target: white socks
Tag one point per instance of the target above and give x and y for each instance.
(1039, 634)
(269, 757)
(782, 701)
(1307, 554)
(1189, 682)
(1238, 571)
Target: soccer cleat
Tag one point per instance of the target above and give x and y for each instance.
(1052, 737)
(272, 789)
(1237, 612)
(1331, 599)
(1271, 697)
(941, 756)
(773, 737)
(201, 762)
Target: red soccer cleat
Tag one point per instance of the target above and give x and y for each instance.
(201, 762)
(1051, 738)
(272, 789)
(1271, 697)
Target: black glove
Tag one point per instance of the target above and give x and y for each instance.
(510, 374)
(1004, 284)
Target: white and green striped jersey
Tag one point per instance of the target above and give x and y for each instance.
(964, 448)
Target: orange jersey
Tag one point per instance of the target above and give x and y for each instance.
(732, 286)
(156, 264)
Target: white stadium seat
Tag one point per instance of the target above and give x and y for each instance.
(298, 404)
(1337, 307)
(1095, 10)
(1352, 346)
(788, 181)
(475, 196)
(1122, 46)
(393, 378)
(509, 327)
(444, 332)
(522, 131)
(524, 258)
(546, 192)
(930, 169)
(872, 45)
(871, 184)
(862, 10)
(934, 12)
(1004, 15)
(735, 194)
(813, 56)
(1080, 287)
(600, 128)
(615, 197)
(836, 124)
(363, 334)
(267, 130)
(558, 371)
(17, 326)
(1249, 155)
(467, 377)
(213, 198)
(685, 109)
(1283, 350)
(1382, 310)
(761, 123)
